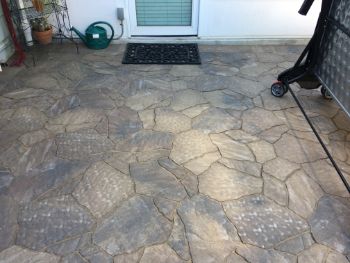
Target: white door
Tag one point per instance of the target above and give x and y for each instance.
(163, 17)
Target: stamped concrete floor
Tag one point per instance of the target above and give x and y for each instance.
(103, 162)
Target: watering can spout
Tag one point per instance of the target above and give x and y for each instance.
(81, 35)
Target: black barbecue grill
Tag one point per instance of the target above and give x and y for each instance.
(324, 63)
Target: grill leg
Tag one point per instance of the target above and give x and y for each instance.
(320, 139)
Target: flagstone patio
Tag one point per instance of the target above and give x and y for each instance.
(103, 162)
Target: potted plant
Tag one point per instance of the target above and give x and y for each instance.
(42, 30)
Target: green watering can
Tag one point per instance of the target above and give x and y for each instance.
(95, 36)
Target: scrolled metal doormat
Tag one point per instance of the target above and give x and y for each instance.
(177, 54)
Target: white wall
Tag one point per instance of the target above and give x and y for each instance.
(255, 19)
(84, 12)
(6, 47)
(218, 18)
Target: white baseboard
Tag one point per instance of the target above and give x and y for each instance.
(218, 40)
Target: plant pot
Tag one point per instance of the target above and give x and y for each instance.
(44, 37)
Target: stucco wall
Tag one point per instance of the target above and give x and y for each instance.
(218, 18)
(255, 19)
(6, 47)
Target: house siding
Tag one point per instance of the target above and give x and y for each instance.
(218, 19)
(6, 47)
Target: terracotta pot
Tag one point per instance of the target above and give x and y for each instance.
(44, 37)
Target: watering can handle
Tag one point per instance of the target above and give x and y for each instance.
(105, 23)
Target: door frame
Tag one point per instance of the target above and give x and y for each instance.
(136, 30)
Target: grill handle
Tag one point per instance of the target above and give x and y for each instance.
(304, 9)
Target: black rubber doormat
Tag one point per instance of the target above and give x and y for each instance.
(141, 53)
